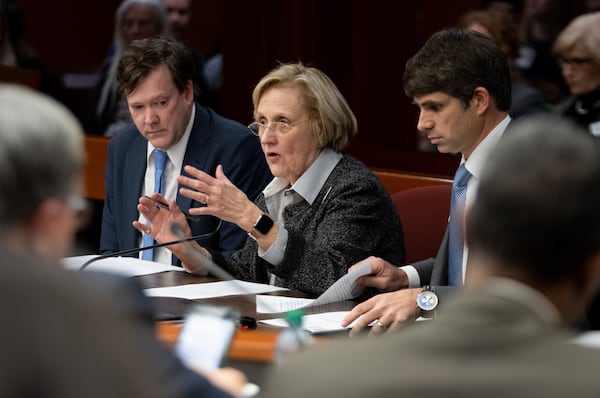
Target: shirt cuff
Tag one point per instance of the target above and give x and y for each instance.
(203, 270)
(413, 276)
(274, 254)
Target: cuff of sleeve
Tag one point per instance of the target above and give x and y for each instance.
(274, 254)
(413, 276)
(202, 271)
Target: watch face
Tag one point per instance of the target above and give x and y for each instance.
(264, 224)
(427, 300)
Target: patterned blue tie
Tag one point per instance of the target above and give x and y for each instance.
(160, 159)
(455, 227)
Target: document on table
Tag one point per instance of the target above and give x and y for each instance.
(590, 339)
(316, 323)
(127, 266)
(345, 288)
(212, 289)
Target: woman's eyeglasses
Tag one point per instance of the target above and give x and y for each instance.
(279, 128)
(574, 62)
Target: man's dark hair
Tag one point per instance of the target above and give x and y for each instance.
(455, 62)
(538, 202)
(144, 56)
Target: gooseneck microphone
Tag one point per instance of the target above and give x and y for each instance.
(221, 274)
(141, 249)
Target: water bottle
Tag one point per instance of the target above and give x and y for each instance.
(294, 337)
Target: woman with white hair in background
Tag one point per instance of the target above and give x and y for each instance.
(578, 50)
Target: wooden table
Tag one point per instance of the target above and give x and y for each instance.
(255, 346)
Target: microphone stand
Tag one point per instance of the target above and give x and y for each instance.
(141, 249)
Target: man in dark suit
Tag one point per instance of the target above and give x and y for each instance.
(69, 334)
(156, 76)
(460, 80)
(534, 264)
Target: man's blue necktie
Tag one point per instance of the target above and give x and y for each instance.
(455, 227)
(160, 159)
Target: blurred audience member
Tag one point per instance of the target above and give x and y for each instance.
(499, 26)
(540, 24)
(578, 50)
(16, 51)
(511, 8)
(179, 13)
(134, 19)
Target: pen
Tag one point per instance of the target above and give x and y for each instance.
(164, 205)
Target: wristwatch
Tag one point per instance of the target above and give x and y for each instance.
(427, 301)
(262, 225)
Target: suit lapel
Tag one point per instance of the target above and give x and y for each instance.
(135, 170)
(197, 151)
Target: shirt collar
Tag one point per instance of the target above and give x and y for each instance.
(480, 154)
(312, 180)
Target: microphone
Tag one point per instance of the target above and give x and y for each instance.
(141, 249)
(298, 335)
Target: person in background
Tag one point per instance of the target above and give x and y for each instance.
(179, 14)
(323, 210)
(16, 51)
(156, 78)
(578, 50)
(460, 80)
(534, 262)
(513, 9)
(70, 334)
(134, 19)
(525, 99)
(540, 23)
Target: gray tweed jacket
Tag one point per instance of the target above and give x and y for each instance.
(352, 218)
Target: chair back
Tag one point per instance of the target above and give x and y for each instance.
(424, 212)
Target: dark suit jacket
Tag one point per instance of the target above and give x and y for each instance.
(486, 343)
(69, 334)
(435, 272)
(213, 140)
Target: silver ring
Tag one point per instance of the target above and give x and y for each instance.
(148, 230)
(381, 325)
(207, 198)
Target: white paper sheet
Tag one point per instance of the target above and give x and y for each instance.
(590, 339)
(276, 304)
(212, 289)
(344, 288)
(127, 266)
(316, 323)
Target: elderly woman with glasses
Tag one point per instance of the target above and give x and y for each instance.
(322, 212)
(578, 50)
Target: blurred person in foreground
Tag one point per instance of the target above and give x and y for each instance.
(534, 264)
(70, 334)
(460, 80)
(323, 211)
(578, 50)
(156, 77)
